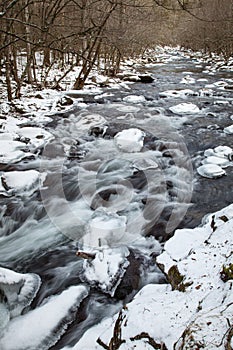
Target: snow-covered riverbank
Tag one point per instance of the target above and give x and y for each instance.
(195, 310)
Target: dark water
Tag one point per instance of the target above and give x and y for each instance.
(174, 194)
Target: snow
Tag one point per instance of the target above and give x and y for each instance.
(229, 129)
(187, 80)
(37, 137)
(42, 327)
(177, 93)
(185, 108)
(23, 182)
(12, 151)
(200, 313)
(106, 269)
(130, 140)
(134, 99)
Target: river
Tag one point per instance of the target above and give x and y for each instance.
(127, 199)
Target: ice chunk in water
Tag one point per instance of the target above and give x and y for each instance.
(18, 289)
(105, 230)
(130, 140)
(211, 171)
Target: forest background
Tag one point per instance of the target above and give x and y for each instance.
(92, 33)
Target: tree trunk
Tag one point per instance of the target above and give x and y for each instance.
(8, 74)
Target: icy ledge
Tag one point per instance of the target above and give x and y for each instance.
(16, 292)
(41, 328)
(195, 310)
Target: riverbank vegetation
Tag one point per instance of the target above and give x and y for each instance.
(37, 35)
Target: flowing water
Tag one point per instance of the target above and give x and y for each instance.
(97, 195)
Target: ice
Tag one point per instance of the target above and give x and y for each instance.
(185, 108)
(134, 99)
(128, 109)
(130, 140)
(216, 160)
(42, 327)
(211, 171)
(105, 230)
(145, 164)
(85, 122)
(229, 129)
(4, 316)
(19, 290)
(24, 182)
(106, 269)
(223, 151)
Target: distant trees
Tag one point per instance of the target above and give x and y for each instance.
(87, 32)
(77, 31)
(202, 24)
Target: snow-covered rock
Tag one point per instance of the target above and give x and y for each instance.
(22, 182)
(106, 270)
(12, 151)
(177, 93)
(185, 108)
(216, 160)
(130, 140)
(85, 122)
(42, 327)
(134, 99)
(34, 136)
